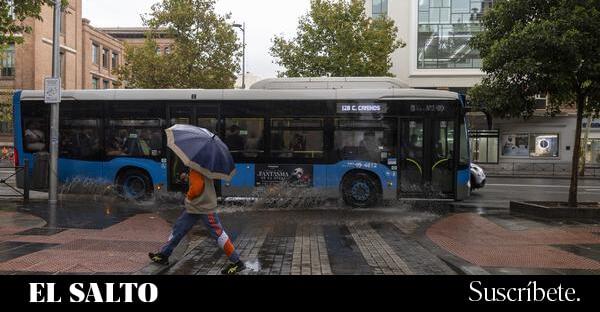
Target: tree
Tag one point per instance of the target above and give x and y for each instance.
(541, 47)
(205, 53)
(336, 38)
(13, 14)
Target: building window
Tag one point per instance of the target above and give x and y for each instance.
(7, 61)
(115, 60)
(63, 69)
(380, 8)
(105, 54)
(167, 50)
(592, 156)
(484, 146)
(11, 9)
(95, 54)
(543, 145)
(515, 145)
(530, 145)
(105, 84)
(444, 30)
(541, 102)
(63, 23)
(95, 83)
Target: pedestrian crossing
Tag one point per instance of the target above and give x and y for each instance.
(313, 249)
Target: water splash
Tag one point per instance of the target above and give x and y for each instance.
(281, 197)
(253, 265)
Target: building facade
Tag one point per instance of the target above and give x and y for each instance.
(437, 55)
(136, 36)
(86, 54)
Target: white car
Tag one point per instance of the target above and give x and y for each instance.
(477, 177)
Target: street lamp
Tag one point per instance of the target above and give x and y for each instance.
(243, 28)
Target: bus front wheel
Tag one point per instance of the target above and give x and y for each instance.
(360, 190)
(135, 184)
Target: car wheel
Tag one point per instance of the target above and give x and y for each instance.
(360, 190)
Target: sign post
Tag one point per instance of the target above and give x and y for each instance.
(52, 95)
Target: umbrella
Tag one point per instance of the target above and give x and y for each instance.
(202, 151)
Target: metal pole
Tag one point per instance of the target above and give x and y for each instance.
(26, 181)
(244, 56)
(54, 111)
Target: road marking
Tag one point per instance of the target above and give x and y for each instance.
(538, 186)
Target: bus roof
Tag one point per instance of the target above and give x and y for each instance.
(244, 95)
(330, 83)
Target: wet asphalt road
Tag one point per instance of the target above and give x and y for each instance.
(499, 191)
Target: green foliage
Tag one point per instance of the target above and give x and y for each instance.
(539, 47)
(6, 105)
(11, 28)
(547, 47)
(205, 53)
(337, 39)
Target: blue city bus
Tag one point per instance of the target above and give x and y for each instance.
(362, 143)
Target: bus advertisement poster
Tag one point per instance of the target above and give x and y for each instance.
(299, 175)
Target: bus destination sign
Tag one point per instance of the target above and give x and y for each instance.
(362, 108)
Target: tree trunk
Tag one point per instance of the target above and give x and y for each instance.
(585, 143)
(576, 152)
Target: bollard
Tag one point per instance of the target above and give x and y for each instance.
(26, 181)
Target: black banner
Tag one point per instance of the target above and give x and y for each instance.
(292, 292)
(297, 175)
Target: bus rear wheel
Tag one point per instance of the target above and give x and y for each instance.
(135, 184)
(360, 190)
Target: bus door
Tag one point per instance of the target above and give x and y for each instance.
(442, 157)
(411, 163)
(426, 163)
(203, 115)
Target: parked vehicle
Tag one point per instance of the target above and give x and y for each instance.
(478, 177)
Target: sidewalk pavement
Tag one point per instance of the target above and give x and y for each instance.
(386, 241)
(506, 244)
(27, 247)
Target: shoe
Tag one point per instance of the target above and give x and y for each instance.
(234, 268)
(159, 258)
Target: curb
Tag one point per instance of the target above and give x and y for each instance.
(456, 264)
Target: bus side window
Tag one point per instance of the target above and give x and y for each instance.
(36, 127)
(244, 136)
(79, 138)
(134, 138)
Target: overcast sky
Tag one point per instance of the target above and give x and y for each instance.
(264, 19)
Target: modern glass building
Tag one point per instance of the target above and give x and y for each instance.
(438, 56)
(444, 30)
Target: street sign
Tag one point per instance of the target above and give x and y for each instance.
(52, 90)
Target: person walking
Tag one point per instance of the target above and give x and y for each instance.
(200, 203)
(208, 159)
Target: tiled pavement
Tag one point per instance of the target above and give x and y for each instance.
(381, 248)
(385, 242)
(27, 247)
(491, 243)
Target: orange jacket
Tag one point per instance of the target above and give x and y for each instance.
(197, 185)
